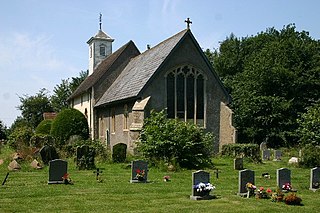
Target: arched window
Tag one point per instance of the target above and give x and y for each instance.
(186, 94)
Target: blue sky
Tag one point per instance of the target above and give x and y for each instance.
(43, 41)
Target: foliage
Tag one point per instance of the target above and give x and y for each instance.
(310, 156)
(309, 126)
(76, 81)
(272, 78)
(251, 151)
(292, 199)
(119, 153)
(69, 122)
(170, 141)
(3, 131)
(33, 107)
(20, 137)
(39, 140)
(44, 127)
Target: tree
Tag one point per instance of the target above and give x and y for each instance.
(272, 77)
(69, 122)
(33, 107)
(3, 131)
(76, 81)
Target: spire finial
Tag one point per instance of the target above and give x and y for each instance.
(188, 23)
(100, 21)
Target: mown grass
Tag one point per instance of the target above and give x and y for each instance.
(27, 190)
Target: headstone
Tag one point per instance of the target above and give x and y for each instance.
(14, 166)
(293, 160)
(266, 154)
(35, 164)
(283, 177)
(85, 157)
(202, 178)
(238, 163)
(139, 171)
(48, 153)
(57, 169)
(277, 155)
(315, 179)
(263, 146)
(245, 176)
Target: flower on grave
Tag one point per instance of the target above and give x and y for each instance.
(292, 199)
(262, 194)
(277, 196)
(140, 174)
(66, 179)
(204, 187)
(315, 185)
(166, 178)
(250, 189)
(287, 187)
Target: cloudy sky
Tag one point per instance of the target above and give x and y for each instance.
(43, 41)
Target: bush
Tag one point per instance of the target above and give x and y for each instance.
(251, 151)
(39, 140)
(69, 122)
(310, 156)
(44, 127)
(20, 137)
(172, 141)
(119, 153)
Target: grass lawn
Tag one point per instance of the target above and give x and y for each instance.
(27, 190)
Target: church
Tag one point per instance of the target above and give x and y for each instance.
(125, 85)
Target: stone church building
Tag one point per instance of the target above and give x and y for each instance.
(125, 85)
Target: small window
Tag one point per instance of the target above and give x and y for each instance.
(102, 50)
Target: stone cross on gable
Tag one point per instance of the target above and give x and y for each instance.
(188, 23)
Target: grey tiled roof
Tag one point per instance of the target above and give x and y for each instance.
(139, 70)
(102, 68)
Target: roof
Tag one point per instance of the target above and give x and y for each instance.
(101, 35)
(139, 70)
(102, 68)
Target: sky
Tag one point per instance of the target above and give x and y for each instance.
(44, 41)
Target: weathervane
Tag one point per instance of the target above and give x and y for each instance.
(188, 23)
(100, 20)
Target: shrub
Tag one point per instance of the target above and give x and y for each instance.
(69, 122)
(20, 137)
(251, 151)
(310, 156)
(172, 141)
(39, 140)
(119, 153)
(44, 127)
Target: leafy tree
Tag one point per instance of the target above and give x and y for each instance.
(76, 81)
(44, 127)
(272, 77)
(174, 142)
(33, 107)
(69, 122)
(3, 131)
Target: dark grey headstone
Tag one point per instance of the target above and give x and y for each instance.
(85, 157)
(139, 171)
(277, 155)
(238, 163)
(245, 176)
(266, 154)
(57, 169)
(48, 153)
(283, 177)
(315, 179)
(199, 177)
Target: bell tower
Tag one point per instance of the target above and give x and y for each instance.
(100, 47)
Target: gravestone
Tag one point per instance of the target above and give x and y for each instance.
(139, 171)
(245, 176)
(238, 163)
(263, 146)
(266, 154)
(48, 153)
(119, 153)
(85, 157)
(277, 155)
(315, 179)
(57, 169)
(199, 177)
(283, 177)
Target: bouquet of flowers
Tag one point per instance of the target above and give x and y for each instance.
(292, 199)
(277, 196)
(166, 178)
(250, 188)
(286, 187)
(204, 187)
(66, 179)
(262, 194)
(140, 174)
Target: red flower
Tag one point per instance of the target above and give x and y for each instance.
(65, 176)
(269, 191)
(261, 188)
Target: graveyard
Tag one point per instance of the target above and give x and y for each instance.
(112, 189)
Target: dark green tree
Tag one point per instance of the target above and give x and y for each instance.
(3, 131)
(272, 77)
(33, 107)
(76, 81)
